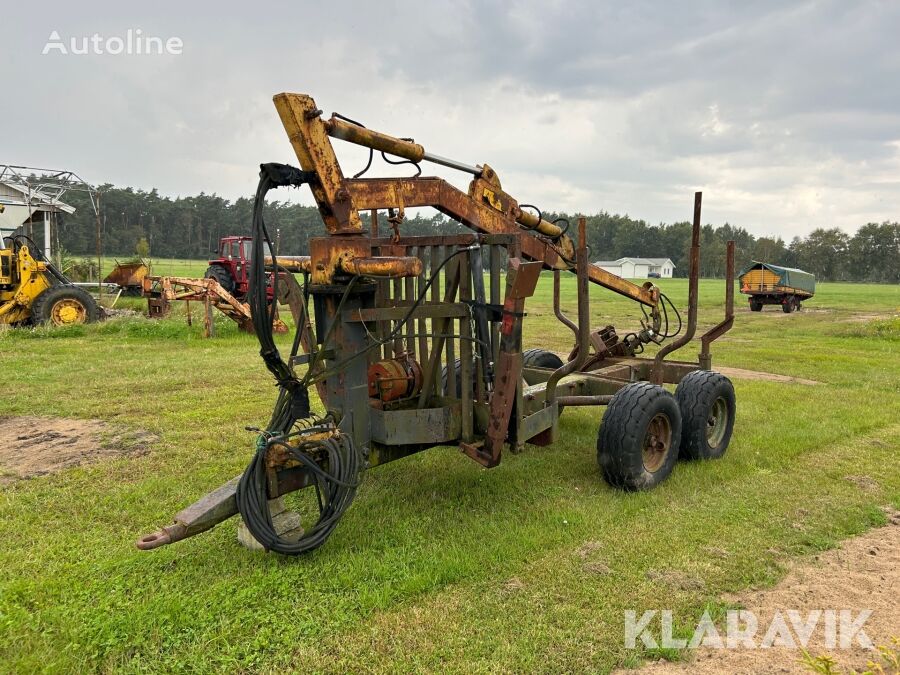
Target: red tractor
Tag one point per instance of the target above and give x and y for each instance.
(232, 268)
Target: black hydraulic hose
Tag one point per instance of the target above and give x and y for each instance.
(336, 484)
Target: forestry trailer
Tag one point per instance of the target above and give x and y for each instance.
(409, 342)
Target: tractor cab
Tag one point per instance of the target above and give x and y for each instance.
(232, 268)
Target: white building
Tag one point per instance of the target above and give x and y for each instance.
(30, 197)
(639, 268)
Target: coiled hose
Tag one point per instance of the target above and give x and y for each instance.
(329, 456)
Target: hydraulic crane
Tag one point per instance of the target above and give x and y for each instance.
(413, 342)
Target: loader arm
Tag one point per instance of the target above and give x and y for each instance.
(486, 208)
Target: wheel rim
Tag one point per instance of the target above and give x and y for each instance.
(67, 312)
(717, 422)
(657, 442)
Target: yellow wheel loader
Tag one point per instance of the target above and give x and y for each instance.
(33, 291)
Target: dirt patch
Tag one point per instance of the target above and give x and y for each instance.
(866, 483)
(37, 446)
(511, 586)
(864, 573)
(591, 561)
(589, 549)
(866, 318)
(744, 374)
(676, 579)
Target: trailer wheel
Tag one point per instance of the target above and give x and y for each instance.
(755, 306)
(637, 445)
(64, 306)
(787, 306)
(457, 367)
(221, 275)
(707, 403)
(540, 358)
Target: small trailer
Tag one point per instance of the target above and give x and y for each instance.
(129, 276)
(775, 285)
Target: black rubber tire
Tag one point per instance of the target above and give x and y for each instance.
(221, 275)
(788, 307)
(42, 308)
(445, 383)
(540, 358)
(623, 432)
(755, 306)
(697, 395)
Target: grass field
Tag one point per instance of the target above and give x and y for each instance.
(439, 564)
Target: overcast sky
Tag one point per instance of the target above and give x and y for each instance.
(786, 116)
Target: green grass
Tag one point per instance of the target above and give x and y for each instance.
(439, 564)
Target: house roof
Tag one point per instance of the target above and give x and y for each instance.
(14, 194)
(654, 262)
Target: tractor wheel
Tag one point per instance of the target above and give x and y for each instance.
(707, 404)
(540, 358)
(637, 445)
(221, 275)
(755, 306)
(64, 306)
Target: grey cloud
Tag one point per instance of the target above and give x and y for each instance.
(584, 105)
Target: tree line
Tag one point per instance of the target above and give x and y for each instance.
(190, 227)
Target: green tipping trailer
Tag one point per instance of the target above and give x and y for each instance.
(775, 285)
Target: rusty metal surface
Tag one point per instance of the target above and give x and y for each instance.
(352, 133)
(509, 364)
(383, 193)
(128, 274)
(724, 326)
(601, 399)
(429, 425)
(291, 263)
(532, 221)
(161, 291)
(584, 315)
(693, 295)
(307, 134)
(209, 510)
(382, 266)
(392, 379)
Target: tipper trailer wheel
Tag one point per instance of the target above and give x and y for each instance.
(755, 306)
(64, 306)
(637, 445)
(707, 403)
